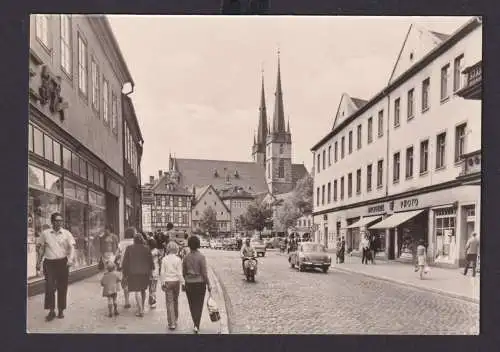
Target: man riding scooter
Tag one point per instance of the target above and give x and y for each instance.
(247, 252)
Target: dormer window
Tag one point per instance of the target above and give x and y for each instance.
(236, 174)
(411, 56)
(216, 174)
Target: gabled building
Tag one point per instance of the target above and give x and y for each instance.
(207, 197)
(397, 165)
(237, 201)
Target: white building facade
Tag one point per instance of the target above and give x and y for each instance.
(394, 166)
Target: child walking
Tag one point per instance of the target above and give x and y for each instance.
(421, 258)
(110, 287)
(156, 254)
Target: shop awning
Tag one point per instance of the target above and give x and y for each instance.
(396, 219)
(364, 221)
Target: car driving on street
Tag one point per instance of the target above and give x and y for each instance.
(310, 255)
(259, 245)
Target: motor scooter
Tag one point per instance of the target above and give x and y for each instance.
(250, 265)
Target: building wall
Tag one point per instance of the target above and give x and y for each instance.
(238, 207)
(211, 199)
(166, 208)
(82, 121)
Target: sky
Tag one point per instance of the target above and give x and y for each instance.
(198, 78)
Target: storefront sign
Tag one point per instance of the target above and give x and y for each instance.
(380, 208)
(408, 203)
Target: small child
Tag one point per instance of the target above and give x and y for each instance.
(156, 254)
(110, 287)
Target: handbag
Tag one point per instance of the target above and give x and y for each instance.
(212, 309)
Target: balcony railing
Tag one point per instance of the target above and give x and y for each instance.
(473, 79)
(471, 164)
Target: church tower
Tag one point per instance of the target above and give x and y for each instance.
(279, 146)
(259, 145)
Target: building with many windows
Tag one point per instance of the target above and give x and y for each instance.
(75, 137)
(207, 197)
(402, 175)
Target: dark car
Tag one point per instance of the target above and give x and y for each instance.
(310, 255)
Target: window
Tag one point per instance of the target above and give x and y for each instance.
(445, 222)
(426, 84)
(457, 72)
(349, 185)
(409, 162)
(319, 162)
(75, 164)
(281, 149)
(105, 101)
(317, 196)
(370, 130)
(396, 167)
(329, 192)
(350, 142)
(369, 178)
(460, 141)
(42, 29)
(66, 159)
(329, 155)
(424, 156)
(57, 152)
(281, 169)
(440, 150)
(359, 137)
(358, 181)
(444, 82)
(66, 44)
(342, 147)
(397, 109)
(334, 190)
(323, 195)
(336, 152)
(324, 159)
(342, 188)
(82, 65)
(95, 84)
(38, 141)
(380, 173)
(410, 104)
(114, 113)
(380, 123)
(48, 148)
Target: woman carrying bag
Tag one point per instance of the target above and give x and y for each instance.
(194, 270)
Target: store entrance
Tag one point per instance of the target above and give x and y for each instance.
(112, 212)
(391, 250)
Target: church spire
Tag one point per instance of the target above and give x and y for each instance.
(279, 114)
(262, 129)
(288, 125)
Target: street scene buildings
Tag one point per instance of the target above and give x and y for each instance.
(365, 164)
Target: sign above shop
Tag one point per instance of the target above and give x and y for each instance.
(410, 203)
(379, 208)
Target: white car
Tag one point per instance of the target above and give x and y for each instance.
(204, 243)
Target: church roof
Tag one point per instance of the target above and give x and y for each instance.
(279, 112)
(199, 173)
(234, 193)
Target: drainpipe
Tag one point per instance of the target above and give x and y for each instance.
(387, 144)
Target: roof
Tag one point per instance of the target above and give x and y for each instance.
(160, 187)
(234, 193)
(441, 36)
(200, 191)
(298, 172)
(441, 48)
(359, 102)
(199, 173)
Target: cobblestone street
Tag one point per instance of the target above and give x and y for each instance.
(285, 301)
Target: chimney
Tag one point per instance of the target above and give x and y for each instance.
(151, 179)
(160, 173)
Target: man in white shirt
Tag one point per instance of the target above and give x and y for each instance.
(57, 246)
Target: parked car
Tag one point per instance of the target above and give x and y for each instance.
(216, 244)
(259, 245)
(204, 243)
(310, 255)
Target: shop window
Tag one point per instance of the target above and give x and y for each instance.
(35, 176)
(445, 228)
(69, 189)
(53, 182)
(38, 141)
(67, 159)
(81, 193)
(57, 152)
(30, 138)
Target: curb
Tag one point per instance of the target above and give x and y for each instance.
(403, 283)
(224, 320)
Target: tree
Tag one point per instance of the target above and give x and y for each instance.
(208, 221)
(257, 216)
(303, 194)
(286, 215)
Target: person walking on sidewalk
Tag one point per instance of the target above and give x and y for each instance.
(171, 280)
(372, 247)
(421, 258)
(365, 245)
(57, 246)
(471, 252)
(341, 254)
(194, 270)
(110, 286)
(109, 245)
(137, 268)
(122, 246)
(155, 275)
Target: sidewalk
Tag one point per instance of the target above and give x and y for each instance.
(87, 311)
(449, 282)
